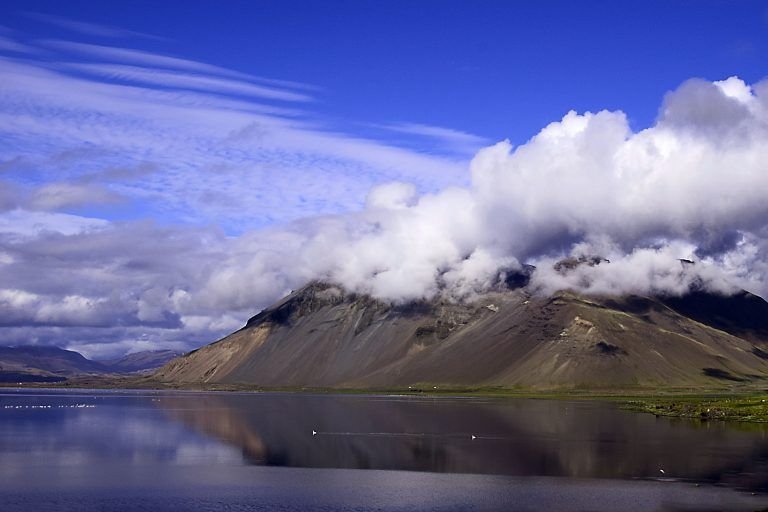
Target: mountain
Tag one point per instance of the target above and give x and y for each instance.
(322, 336)
(52, 364)
(43, 364)
(140, 361)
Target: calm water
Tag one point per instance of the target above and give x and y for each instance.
(96, 450)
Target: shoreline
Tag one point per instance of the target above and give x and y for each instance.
(741, 405)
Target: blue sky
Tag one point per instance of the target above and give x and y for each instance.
(142, 143)
(498, 69)
(435, 78)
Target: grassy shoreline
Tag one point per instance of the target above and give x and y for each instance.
(742, 408)
(739, 404)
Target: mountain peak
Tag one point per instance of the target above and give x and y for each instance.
(324, 336)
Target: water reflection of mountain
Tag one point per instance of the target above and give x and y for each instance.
(514, 437)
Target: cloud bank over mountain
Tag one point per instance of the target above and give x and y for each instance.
(694, 185)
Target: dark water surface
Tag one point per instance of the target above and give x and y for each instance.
(105, 450)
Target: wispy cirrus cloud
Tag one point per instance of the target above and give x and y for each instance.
(209, 147)
(88, 28)
(149, 59)
(171, 79)
(8, 44)
(437, 132)
(193, 156)
(446, 139)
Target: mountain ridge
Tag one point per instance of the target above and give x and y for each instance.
(54, 364)
(323, 336)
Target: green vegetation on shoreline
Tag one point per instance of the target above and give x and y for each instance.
(746, 408)
(743, 404)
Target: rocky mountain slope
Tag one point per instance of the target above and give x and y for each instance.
(321, 336)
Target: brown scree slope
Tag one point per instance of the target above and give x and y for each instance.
(320, 336)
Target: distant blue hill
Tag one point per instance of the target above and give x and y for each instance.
(53, 364)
